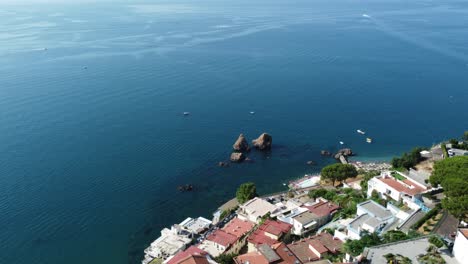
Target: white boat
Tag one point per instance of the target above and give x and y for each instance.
(365, 15)
(186, 113)
(361, 132)
(369, 140)
(341, 142)
(252, 112)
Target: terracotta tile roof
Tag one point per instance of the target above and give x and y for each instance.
(302, 251)
(464, 231)
(238, 227)
(252, 258)
(287, 257)
(400, 187)
(191, 251)
(222, 238)
(323, 208)
(259, 238)
(276, 228)
(194, 260)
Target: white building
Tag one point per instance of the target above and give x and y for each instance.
(370, 217)
(255, 209)
(460, 247)
(195, 226)
(397, 186)
(171, 242)
(304, 222)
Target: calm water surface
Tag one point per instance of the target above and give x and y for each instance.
(93, 143)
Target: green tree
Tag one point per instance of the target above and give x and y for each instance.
(367, 176)
(316, 193)
(356, 247)
(226, 258)
(408, 160)
(452, 175)
(245, 192)
(338, 172)
(465, 136)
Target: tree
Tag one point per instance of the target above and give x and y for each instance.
(452, 175)
(316, 193)
(356, 247)
(408, 160)
(246, 192)
(367, 176)
(465, 136)
(338, 172)
(226, 258)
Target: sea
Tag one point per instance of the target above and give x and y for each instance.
(94, 143)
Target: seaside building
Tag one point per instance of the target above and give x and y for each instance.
(170, 242)
(315, 248)
(269, 233)
(195, 226)
(304, 222)
(323, 210)
(278, 253)
(399, 187)
(255, 209)
(460, 246)
(191, 251)
(226, 207)
(230, 239)
(371, 217)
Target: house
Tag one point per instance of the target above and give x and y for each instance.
(370, 217)
(219, 242)
(255, 209)
(268, 233)
(265, 254)
(226, 207)
(196, 226)
(230, 239)
(460, 246)
(398, 187)
(285, 207)
(323, 210)
(315, 248)
(179, 257)
(170, 242)
(304, 222)
(197, 259)
(353, 184)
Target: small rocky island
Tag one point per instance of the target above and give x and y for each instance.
(241, 144)
(263, 142)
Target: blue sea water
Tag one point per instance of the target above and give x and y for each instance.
(93, 143)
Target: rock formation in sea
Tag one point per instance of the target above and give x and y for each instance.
(237, 157)
(241, 144)
(185, 188)
(325, 153)
(346, 152)
(223, 164)
(263, 142)
(311, 163)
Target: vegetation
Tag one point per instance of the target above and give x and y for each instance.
(397, 259)
(452, 175)
(367, 176)
(433, 212)
(226, 258)
(444, 149)
(465, 136)
(347, 199)
(338, 172)
(436, 241)
(431, 257)
(458, 145)
(408, 160)
(246, 192)
(376, 198)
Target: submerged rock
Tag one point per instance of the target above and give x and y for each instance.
(185, 188)
(263, 142)
(237, 157)
(310, 162)
(325, 153)
(241, 144)
(223, 164)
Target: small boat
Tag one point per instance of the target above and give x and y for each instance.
(369, 140)
(361, 132)
(284, 184)
(186, 113)
(341, 142)
(252, 112)
(366, 15)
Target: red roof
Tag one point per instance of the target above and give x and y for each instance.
(222, 238)
(287, 257)
(400, 187)
(323, 208)
(194, 260)
(238, 227)
(317, 245)
(258, 238)
(276, 228)
(252, 258)
(191, 251)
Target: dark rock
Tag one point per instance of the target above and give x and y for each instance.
(325, 153)
(263, 142)
(241, 144)
(310, 162)
(223, 164)
(237, 157)
(346, 152)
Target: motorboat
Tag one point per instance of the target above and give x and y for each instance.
(361, 132)
(369, 140)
